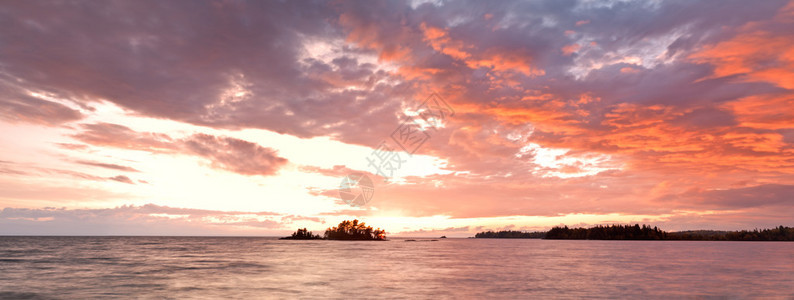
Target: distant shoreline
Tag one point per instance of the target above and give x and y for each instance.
(645, 233)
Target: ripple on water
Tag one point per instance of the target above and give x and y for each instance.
(156, 267)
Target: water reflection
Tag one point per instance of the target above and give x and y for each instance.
(180, 267)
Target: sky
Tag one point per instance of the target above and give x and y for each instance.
(244, 118)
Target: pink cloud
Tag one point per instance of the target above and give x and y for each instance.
(225, 153)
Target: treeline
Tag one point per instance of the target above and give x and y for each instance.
(780, 233)
(612, 232)
(510, 234)
(645, 232)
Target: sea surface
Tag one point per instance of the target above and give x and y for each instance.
(250, 268)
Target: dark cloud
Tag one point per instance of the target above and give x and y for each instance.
(12, 168)
(235, 155)
(762, 195)
(107, 166)
(74, 174)
(226, 153)
(766, 195)
(189, 61)
(122, 178)
(707, 117)
(120, 136)
(18, 107)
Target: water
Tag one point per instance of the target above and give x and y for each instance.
(226, 267)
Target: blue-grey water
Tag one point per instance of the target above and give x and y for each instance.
(237, 267)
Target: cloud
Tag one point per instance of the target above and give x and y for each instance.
(146, 219)
(766, 195)
(29, 171)
(120, 136)
(107, 166)
(122, 178)
(15, 106)
(229, 65)
(562, 107)
(235, 155)
(660, 114)
(225, 153)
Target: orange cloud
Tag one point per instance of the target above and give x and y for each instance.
(368, 36)
(441, 42)
(760, 52)
(570, 49)
(758, 55)
(504, 61)
(764, 111)
(496, 59)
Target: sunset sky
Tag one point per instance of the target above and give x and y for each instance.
(242, 118)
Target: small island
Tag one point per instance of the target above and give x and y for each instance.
(303, 234)
(346, 230)
(353, 230)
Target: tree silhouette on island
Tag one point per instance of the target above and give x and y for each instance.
(303, 234)
(346, 230)
(353, 230)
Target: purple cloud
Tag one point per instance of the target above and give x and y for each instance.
(235, 155)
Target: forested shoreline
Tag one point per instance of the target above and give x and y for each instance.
(510, 234)
(645, 232)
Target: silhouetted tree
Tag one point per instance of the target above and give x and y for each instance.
(645, 232)
(612, 232)
(303, 234)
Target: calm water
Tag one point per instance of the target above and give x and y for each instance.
(201, 267)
